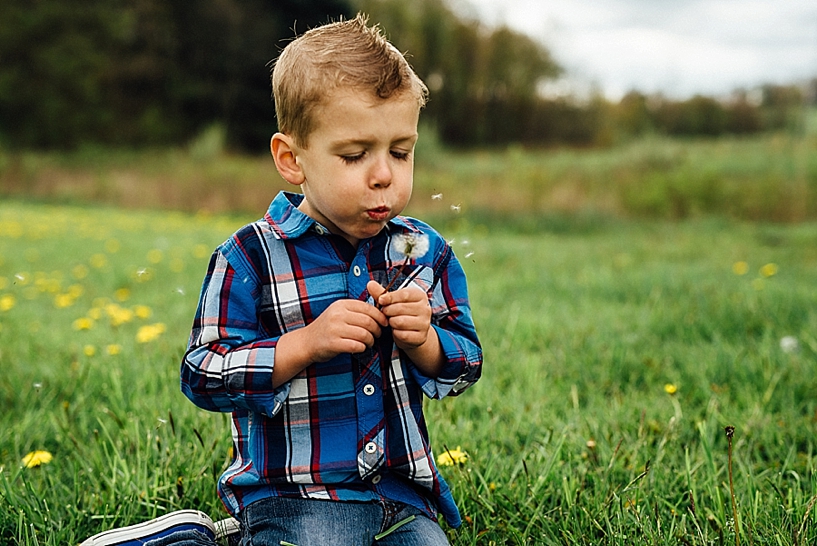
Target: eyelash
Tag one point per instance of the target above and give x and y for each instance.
(349, 159)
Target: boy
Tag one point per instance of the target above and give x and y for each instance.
(322, 368)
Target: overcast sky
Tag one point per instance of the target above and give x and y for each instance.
(678, 47)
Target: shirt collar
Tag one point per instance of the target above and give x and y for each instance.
(288, 222)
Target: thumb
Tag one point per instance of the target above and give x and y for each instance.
(375, 290)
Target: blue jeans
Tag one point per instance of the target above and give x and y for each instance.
(278, 521)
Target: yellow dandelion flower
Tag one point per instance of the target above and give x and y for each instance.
(113, 349)
(670, 388)
(450, 457)
(142, 311)
(99, 261)
(150, 332)
(112, 246)
(118, 315)
(80, 271)
(122, 294)
(37, 458)
(155, 256)
(769, 270)
(740, 268)
(7, 302)
(83, 323)
(76, 290)
(94, 313)
(61, 301)
(89, 350)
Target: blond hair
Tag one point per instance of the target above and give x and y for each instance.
(347, 54)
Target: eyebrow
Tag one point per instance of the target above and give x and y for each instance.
(369, 141)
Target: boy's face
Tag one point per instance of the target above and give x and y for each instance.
(358, 167)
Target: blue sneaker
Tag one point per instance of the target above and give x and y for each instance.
(135, 535)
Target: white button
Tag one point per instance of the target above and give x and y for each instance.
(356, 271)
(376, 479)
(371, 447)
(368, 390)
(319, 229)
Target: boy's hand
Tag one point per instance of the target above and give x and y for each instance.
(347, 326)
(408, 313)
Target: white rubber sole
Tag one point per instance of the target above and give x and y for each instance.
(148, 529)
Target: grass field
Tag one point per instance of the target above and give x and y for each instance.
(616, 352)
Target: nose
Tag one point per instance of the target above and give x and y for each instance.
(381, 174)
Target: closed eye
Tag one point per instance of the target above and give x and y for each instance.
(348, 159)
(402, 156)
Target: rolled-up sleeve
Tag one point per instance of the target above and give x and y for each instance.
(228, 363)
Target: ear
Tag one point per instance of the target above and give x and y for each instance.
(285, 154)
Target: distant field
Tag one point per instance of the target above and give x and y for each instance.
(769, 177)
(616, 353)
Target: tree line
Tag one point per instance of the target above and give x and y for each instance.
(158, 72)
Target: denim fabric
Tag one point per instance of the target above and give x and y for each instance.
(183, 538)
(279, 521)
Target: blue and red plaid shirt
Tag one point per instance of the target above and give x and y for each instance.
(351, 428)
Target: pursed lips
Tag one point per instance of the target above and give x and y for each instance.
(378, 213)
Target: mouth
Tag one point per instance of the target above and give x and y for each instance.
(378, 213)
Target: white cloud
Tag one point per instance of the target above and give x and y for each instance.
(679, 47)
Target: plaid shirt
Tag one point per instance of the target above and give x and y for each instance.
(351, 428)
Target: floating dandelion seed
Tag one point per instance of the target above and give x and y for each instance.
(469, 254)
(789, 344)
(455, 208)
(37, 458)
(437, 196)
(180, 290)
(450, 457)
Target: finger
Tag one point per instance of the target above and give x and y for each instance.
(409, 294)
(375, 290)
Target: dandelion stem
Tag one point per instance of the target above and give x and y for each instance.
(397, 275)
(730, 431)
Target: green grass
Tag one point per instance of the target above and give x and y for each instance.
(571, 436)
(766, 178)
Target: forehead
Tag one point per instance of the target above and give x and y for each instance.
(346, 113)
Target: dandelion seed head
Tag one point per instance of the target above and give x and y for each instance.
(411, 245)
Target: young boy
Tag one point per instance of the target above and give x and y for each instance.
(321, 367)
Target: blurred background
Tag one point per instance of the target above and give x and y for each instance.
(114, 75)
(151, 72)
